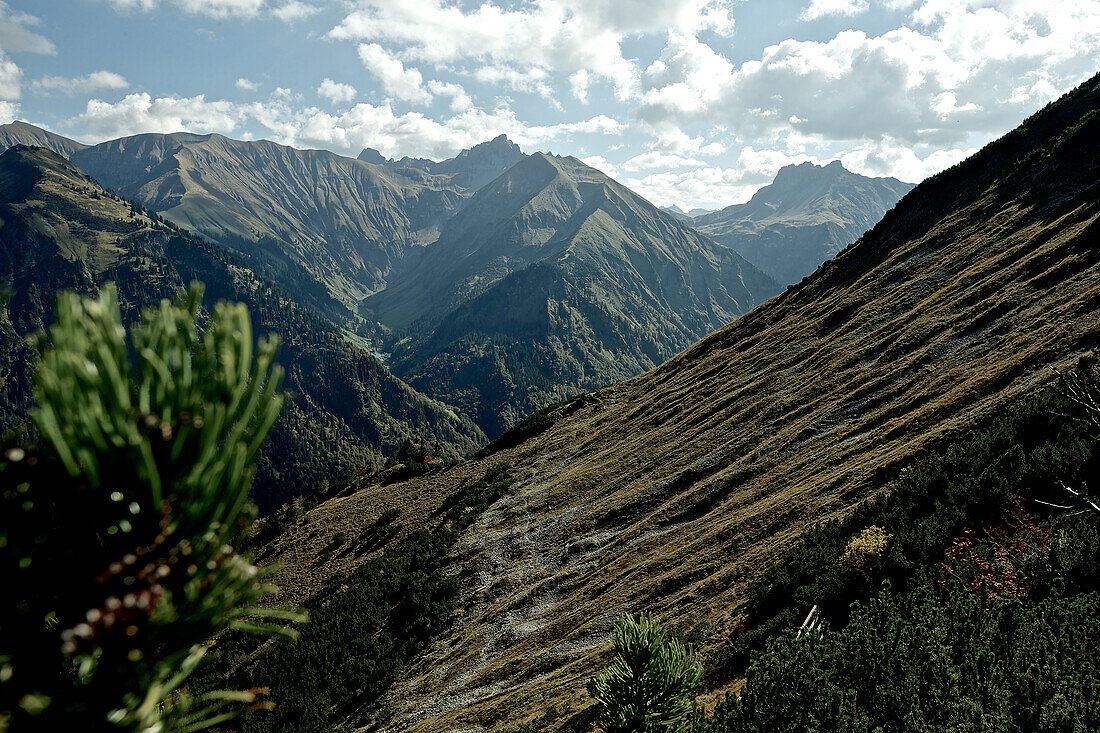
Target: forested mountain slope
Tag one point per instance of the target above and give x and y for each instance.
(555, 279)
(670, 492)
(60, 229)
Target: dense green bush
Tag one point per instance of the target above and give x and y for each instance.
(1027, 450)
(933, 659)
(975, 610)
(650, 686)
(117, 529)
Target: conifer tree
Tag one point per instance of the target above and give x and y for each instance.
(117, 528)
(649, 687)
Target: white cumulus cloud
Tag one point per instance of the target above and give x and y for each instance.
(963, 68)
(222, 8)
(414, 134)
(9, 111)
(533, 80)
(563, 36)
(662, 161)
(16, 35)
(288, 11)
(335, 91)
(81, 84)
(379, 126)
(11, 78)
(139, 112)
(399, 82)
(295, 10)
(819, 8)
(460, 100)
(133, 4)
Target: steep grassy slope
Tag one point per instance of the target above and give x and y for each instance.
(555, 279)
(60, 229)
(318, 223)
(807, 215)
(673, 490)
(22, 133)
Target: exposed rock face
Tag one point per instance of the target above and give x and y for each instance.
(807, 215)
(555, 279)
(471, 168)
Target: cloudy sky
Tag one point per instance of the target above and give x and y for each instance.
(690, 102)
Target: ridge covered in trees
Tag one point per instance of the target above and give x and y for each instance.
(346, 414)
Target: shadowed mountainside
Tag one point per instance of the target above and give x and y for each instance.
(60, 229)
(555, 279)
(671, 491)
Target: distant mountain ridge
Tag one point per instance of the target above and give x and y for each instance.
(342, 221)
(555, 279)
(685, 216)
(328, 228)
(423, 247)
(472, 168)
(803, 218)
(23, 133)
(60, 229)
(495, 281)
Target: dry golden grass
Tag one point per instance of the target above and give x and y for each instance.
(78, 240)
(671, 491)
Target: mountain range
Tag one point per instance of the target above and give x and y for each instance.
(321, 223)
(803, 218)
(555, 279)
(471, 168)
(685, 215)
(495, 281)
(22, 133)
(59, 229)
(326, 227)
(671, 491)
